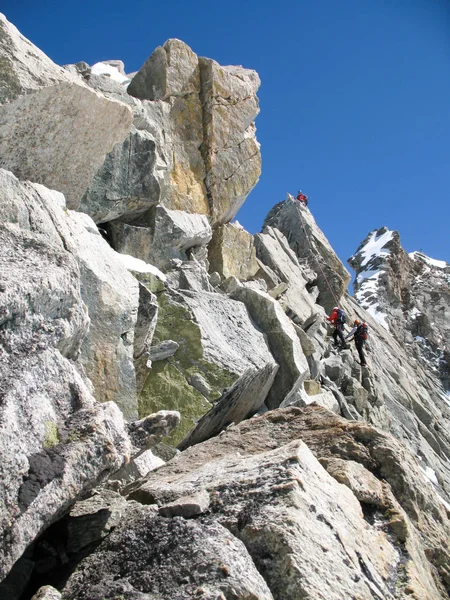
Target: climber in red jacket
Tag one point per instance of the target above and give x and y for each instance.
(338, 319)
(301, 197)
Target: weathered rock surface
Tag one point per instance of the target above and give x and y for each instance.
(23, 67)
(150, 430)
(161, 235)
(309, 243)
(127, 184)
(47, 593)
(217, 341)
(270, 512)
(273, 251)
(282, 340)
(241, 401)
(58, 136)
(231, 253)
(167, 559)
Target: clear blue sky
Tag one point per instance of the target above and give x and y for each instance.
(355, 97)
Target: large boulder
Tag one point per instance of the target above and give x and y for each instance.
(160, 235)
(272, 249)
(217, 342)
(231, 151)
(109, 292)
(282, 340)
(58, 136)
(259, 476)
(231, 253)
(309, 243)
(128, 181)
(23, 67)
(152, 556)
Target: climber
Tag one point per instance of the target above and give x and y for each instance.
(359, 333)
(301, 197)
(338, 319)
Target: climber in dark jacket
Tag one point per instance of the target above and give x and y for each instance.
(337, 318)
(359, 333)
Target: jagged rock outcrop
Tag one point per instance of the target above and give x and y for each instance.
(272, 478)
(217, 343)
(309, 244)
(23, 67)
(409, 295)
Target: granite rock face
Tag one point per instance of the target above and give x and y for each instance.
(24, 67)
(58, 136)
(309, 243)
(231, 253)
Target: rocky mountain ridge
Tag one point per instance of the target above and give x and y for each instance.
(174, 420)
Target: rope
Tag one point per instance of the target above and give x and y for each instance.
(317, 260)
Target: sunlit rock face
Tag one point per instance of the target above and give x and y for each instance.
(409, 294)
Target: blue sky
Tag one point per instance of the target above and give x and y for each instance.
(355, 97)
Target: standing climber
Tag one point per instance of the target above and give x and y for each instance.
(301, 197)
(360, 335)
(338, 318)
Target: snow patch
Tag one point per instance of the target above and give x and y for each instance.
(378, 315)
(430, 475)
(104, 69)
(374, 246)
(440, 264)
(140, 266)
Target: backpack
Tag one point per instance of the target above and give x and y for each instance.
(361, 332)
(341, 316)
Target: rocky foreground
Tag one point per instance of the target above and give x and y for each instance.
(174, 420)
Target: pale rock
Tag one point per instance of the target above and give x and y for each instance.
(273, 251)
(127, 184)
(186, 506)
(163, 350)
(92, 519)
(231, 151)
(47, 592)
(231, 252)
(312, 387)
(282, 339)
(191, 276)
(143, 333)
(242, 400)
(150, 430)
(108, 291)
(215, 279)
(161, 236)
(217, 340)
(186, 559)
(139, 466)
(58, 136)
(309, 243)
(250, 455)
(24, 68)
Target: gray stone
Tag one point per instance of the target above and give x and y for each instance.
(215, 279)
(273, 250)
(186, 559)
(92, 519)
(143, 333)
(150, 430)
(186, 506)
(241, 401)
(161, 236)
(58, 136)
(282, 339)
(24, 67)
(163, 350)
(231, 252)
(309, 243)
(47, 592)
(127, 184)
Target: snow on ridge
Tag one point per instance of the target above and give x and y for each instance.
(101, 68)
(374, 246)
(140, 266)
(440, 264)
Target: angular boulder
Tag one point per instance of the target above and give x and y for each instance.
(217, 343)
(58, 136)
(309, 243)
(231, 253)
(282, 340)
